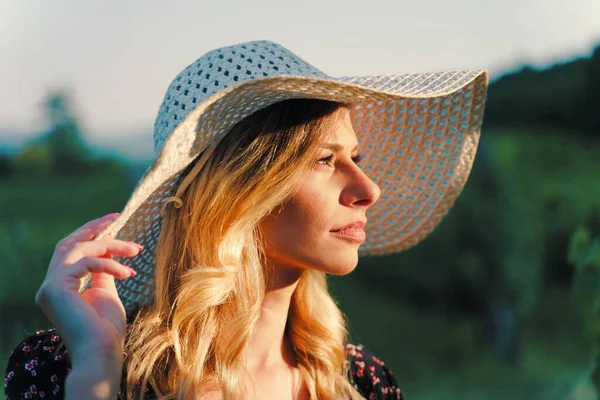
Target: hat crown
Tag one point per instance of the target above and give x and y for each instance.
(219, 69)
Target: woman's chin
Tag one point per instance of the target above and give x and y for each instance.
(342, 271)
(342, 265)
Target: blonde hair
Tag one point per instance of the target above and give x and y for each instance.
(209, 268)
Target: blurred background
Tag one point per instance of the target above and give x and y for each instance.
(500, 302)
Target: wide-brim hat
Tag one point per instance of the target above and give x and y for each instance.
(418, 134)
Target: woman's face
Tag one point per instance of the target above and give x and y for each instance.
(305, 232)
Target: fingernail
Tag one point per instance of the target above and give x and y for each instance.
(133, 273)
(111, 215)
(139, 246)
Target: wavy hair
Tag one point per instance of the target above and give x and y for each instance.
(210, 262)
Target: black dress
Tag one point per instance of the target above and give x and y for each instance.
(37, 371)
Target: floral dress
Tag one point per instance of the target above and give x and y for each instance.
(36, 370)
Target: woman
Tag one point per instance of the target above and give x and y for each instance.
(256, 194)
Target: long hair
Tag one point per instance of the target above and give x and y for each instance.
(209, 268)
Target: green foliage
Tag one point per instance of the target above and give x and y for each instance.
(69, 154)
(19, 261)
(584, 251)
(6, 165)
(584, 255)
(62, 150)
(566, 96)
(36, 212)
(591, 99)
(35, 158)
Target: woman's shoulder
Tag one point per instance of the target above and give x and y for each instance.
(38, 367)
(370, 375)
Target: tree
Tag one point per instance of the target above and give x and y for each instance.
(591, 100)
(62, 148)
(6, 166)
(64, 140)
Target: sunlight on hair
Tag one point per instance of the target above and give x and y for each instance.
(209, 268)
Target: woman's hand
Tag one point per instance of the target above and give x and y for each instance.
(92, 322)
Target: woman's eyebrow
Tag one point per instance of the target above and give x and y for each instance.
(338, 147)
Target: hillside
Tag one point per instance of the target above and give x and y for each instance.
(562, 96)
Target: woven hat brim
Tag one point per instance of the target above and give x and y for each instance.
(418, 134)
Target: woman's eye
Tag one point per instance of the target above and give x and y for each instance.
(326, 160)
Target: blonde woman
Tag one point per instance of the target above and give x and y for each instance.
(266, 174)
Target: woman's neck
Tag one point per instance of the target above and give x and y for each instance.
(268, 346)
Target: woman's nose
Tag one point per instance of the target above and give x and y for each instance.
(361, 190)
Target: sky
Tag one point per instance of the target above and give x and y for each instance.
(117, 58)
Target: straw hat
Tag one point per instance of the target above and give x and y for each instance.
(418, 134)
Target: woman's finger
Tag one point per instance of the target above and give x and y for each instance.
(104, 247)
(69, 278)
(87, 231)
(99, 265)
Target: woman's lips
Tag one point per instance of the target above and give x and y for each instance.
(353, 232)
(354, 235)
